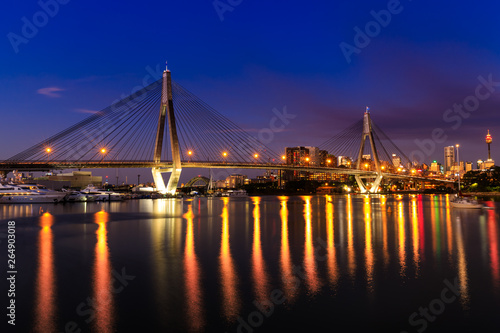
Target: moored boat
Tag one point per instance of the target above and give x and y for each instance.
(465, 202)
(235, 193)
(12, 193)
(102, 195)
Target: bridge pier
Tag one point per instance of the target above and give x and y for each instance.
(367, 133)
(167, 110)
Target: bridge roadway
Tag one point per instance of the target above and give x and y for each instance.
(7, 166)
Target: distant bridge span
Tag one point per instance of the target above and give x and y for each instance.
(167, 166)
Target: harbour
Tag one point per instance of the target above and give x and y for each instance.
(257, 263)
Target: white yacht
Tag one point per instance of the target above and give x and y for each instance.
(102, 195)
(76, 196)
(12, 193)
(465, 202)
(235, 193)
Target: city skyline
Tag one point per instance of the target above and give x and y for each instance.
(247, 68)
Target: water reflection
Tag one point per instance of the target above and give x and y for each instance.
(330, 242)
(350, 241)
(192, 277)
(312, 280)
(421, 228)
(367, 210)
(230, 297)
(415, 234)
(45, 280)
(285, 259)
(436, 228)
(401, 239)
(462, 266)
(104, 301)
(385, 248)
(369, 247)
(258, 264)
(493, 249)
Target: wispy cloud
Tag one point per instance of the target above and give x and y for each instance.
(87, 111)
(50, 91)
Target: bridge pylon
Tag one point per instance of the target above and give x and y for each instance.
(368, 133)
(167, 111)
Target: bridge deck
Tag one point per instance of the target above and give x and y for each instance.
(55, 165)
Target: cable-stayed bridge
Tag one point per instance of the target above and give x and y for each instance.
(166, 128)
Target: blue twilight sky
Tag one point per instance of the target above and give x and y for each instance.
(62, 60)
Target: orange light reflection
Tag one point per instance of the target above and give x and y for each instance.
(330, 241)
(45, 280)
(368, 242)
(192, 277)
(312, 281)
(104, 302)
(350, 241)
(402, 239)
(258, 264)
(415, 237)
(285, 259)
(231, 302)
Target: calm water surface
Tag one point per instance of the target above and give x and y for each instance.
(346, 263)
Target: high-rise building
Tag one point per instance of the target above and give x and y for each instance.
(396, 160)
(344, 160)
(449, 158)
(488, 164)
(435, 167)
(235, 180)
(314, 157)
(458, 168)
(480, 164)
(296, 155)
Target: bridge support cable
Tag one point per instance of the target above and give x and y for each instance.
(120, 132)
(208, 134)
(382, 150)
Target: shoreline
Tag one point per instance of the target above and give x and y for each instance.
(483, 193)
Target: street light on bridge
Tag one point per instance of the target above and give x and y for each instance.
(48, 150)
(103, 152)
